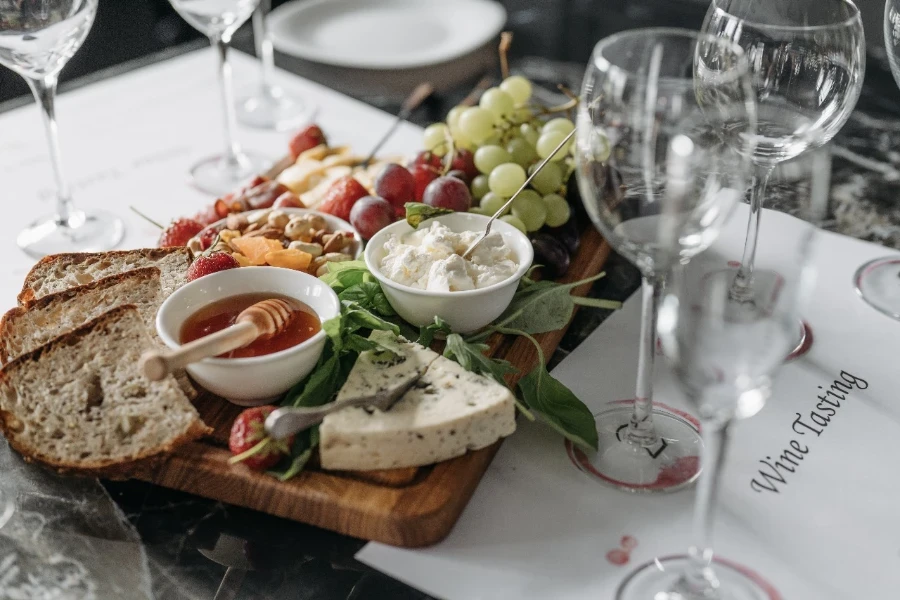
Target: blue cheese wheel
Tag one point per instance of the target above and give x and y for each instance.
(447, 412)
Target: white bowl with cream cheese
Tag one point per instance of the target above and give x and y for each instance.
(424, 276)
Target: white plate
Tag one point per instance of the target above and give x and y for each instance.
(384, 34)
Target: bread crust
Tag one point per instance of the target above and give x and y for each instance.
(113, 468)
(26, 296)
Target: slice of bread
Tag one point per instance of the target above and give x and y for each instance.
(23, 329)
(59, 272)
(79, 403)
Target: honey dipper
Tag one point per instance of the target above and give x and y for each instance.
(263, 320)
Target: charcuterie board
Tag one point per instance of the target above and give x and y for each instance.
(408, 507)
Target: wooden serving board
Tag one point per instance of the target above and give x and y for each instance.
(404, 507)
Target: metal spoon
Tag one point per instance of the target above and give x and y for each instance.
(503, 208)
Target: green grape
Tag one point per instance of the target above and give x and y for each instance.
(480, 211)
(561, 124)
(518, 87)
(491, 203)
(600, 147)
(515, 222)
(453, 116)
(558, 210)
(476, 124)
(548, 180)
(550, 140)
(530, 209)
(498, 102)
(435, 138)
(506, 179)
(480, 187)
(488, 158)
(494, 140)
(522, 114)
(521, 151)
(529, 133)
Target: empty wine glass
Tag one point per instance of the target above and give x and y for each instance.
(808, 58)
(724, 355)
(37, 39)
(660, 161)
(267, 105)
(878, 281)
(218, 20)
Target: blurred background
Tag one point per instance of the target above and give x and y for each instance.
(550, 35)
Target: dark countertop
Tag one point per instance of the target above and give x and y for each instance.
(190, 541)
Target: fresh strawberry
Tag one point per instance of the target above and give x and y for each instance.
(207, 216)
(179, 233)
(207, 237)
(341, 197)
(207, 264)
(423, 175)
(288, 200)
(250, 444)
(428, 158)
(308, 137)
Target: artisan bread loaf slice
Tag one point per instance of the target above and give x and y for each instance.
(80, 403)
(59, 272)
(23, 329)
(447, 412)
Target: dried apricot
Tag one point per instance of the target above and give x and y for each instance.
(289, 259)
(256, 248)
(242, 260)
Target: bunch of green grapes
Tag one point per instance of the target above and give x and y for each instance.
(509, 139)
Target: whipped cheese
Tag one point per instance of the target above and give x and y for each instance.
(431, 259)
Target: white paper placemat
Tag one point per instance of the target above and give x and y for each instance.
(130, 140)
(537, 527)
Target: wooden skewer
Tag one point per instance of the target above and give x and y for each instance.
(261, 321)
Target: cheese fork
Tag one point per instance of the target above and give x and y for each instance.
(288, 420)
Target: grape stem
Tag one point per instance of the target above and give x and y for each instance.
(505, 42)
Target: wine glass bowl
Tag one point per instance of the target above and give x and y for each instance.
(662, 156)
(36, 41)
(215, 18)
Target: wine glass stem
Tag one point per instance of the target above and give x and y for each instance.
(44, 89)
(699, 579)
(744, 279)
(263, 43)
(641, 430)
(232, 147)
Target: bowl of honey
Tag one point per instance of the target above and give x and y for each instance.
(267, 367)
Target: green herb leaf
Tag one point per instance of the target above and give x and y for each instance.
(416, 213)
(559, 407)
(342, 275)
(427, 333)
(541, 306)
(356, 317)
(369, 295)
(321, 385)
(472, 358)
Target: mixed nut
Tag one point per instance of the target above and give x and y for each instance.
(281, 239)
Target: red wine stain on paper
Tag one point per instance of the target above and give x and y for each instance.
(734, 264)
(681, 470)
(621, 556)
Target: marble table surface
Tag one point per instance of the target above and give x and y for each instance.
(189, 547)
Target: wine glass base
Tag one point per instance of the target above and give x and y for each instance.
(83, 232)
(659, 580)
(219, 176)
(671, 464)
(274, 109)
(878, 283)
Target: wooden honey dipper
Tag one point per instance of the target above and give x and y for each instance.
(261, 321)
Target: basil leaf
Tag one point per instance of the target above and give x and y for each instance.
(559, 407)
(320, 386)
(356, 317)
(541, 306)
(472, 358)
(416, 213)
(427, 333)
(343, 275)
(370, 296)
(333, 328)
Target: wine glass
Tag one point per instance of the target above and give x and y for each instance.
(37, 39)
(808, 58)
(267, 105)
(664, 119)
(878, 281)
(218, 20)
(724, 356)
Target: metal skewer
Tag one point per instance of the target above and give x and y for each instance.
(506, 205)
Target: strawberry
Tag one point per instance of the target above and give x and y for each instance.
(308, 137)
(288, 200)
(250, 444)
(422, 176)
(207, 264)
(207, 216)
(207, 237)
(341, 197)
(179, 233)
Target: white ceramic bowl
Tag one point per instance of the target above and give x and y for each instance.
(257, 380)
(334, 223)
(464, 311)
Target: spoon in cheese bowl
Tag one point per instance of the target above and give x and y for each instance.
(263, 320)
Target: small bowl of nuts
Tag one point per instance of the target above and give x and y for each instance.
(293, 238)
